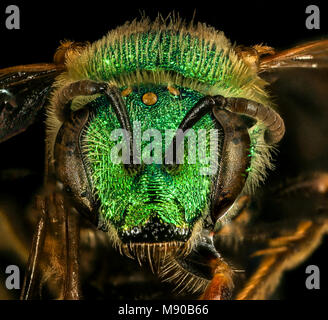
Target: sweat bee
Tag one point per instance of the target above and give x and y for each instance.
(221, 235)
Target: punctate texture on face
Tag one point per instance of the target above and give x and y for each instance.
(151, 57)
(179, 198)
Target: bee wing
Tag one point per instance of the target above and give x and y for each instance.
(309, 55)
(292, 203)
(23, 92)
(53, 265)
(298, 80)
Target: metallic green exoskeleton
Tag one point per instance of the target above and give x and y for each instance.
(159, 134)
(151, 135)
(130, 201)
(177, 65)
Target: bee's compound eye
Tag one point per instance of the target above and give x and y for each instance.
(149, 98)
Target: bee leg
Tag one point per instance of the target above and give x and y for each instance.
(204, 269)
(290, 249)
(14, 237)
(285, 253)
(221, 285)
(53, 263)
(72, 281)
(14, 245)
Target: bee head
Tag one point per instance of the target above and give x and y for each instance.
(132, 175)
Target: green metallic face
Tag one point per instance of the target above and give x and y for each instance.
(158, 204)
(154, 195)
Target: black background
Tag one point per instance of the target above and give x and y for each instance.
(44, 25)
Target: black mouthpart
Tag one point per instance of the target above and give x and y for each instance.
(155, 231)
